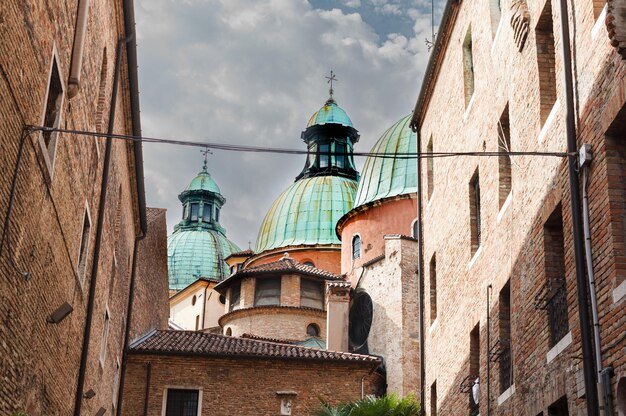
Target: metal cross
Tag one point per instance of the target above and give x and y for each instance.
(330, 79)
(206, 152)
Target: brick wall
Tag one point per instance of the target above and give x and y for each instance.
(323, 257)
(242, 386)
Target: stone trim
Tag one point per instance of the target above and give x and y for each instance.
(559, 347)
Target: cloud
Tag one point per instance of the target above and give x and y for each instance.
(252, 72)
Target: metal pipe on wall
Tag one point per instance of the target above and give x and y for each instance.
(73, 84)
(420, 276)
(489, 288)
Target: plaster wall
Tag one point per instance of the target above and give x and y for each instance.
(274, 322)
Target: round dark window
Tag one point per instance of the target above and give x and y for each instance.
(361, 312)
(313, 330)
(222, 299)
(193, 300)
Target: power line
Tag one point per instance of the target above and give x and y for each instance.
(279, 150)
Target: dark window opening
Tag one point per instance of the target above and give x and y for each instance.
(468, 67)
(207, 212)
(311, 294)
(84, 246)
(433, 399)
(324, 155)
(229, 332)
(197, 322)
(222, 299)
(217, 214)
(356, 247)
(474, 369)
(313, 330)
(414, 229)
(554, 264)
(544, 35)
(559, 408)
(235, 296)
(433, 288)
(340, 155)
(504, 161)
(53, 105)
(194, 211)
(474, 201)
(267, 291)
(504, 322)
(193, 300)
(182, 402)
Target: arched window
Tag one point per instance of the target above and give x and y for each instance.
(414, 230)
(194, 211)
(356, 247)
(193, 300)
(313, 330)
(229, 332)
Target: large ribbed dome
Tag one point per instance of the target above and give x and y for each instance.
(387, 177)
(306, 213)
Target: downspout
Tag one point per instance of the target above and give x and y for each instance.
(73, 84)
(96, 256)
(489, 289)
(581, 284)
(420, 275)
(147, 395)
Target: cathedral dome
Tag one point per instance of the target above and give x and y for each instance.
(330, 113)
(306, 213)
(387, 177)
(198, 246)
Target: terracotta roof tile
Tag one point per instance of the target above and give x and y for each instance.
(204, 344)
(243, 253)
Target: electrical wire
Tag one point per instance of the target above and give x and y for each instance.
(280, 150)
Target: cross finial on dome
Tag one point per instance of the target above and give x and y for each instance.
(330, 79)
(206, 152)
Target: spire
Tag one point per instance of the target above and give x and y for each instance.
(330, 79)
(206, 152)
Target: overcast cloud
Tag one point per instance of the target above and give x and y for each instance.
(252, 72)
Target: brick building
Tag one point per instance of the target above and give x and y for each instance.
(501, 317)
(210, 374)
(69, 251)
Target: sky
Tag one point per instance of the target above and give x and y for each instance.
(252, 73)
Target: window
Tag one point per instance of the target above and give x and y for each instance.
(504, 322)
(433, 399)
(474, 368)
(468, 67)
(430, 168)
(217, 214)
(313, 330)
(84, 246)
(504, 161)
(267, 291)
(554, 263)
(182, 402)
(194, 211)
(311, 294)
(340, 155)
(193, 300)
(559, 408)
(598, 6)
(222, 299)
(207, 212)
(197, 322)
(324, 155)
(309, 263)
(544, 34)
(433, 288)
(495, 9)
(105, 335)
(229, 332)
(356, 247)
(116, 382)
(54, 104)
(235, 295)
(474, 202)
(312, 154)
(415, 229)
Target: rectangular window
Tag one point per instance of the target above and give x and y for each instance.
(182, 402)
(433, 288)
(235, 297)
(105, 336)
(433, 399)
(194, 212)
(197, 322)
(217, 214)
(311, 294)
(468, 67)
(554, 264)
(504, 322)
(474, 202)
(267, 291)
(474, 368)
(430, 168)
(206, 212)
(544, 34)
(324, 155)
(54, 103)
(84, 246)
(559, 408)
(340, 155)
(504, 161)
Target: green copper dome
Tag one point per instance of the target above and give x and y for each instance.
(198, 246)
(382, 177)
(306, 213)
(331, 113)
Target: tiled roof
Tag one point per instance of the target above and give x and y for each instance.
(243, 253)
(153, 213)
(203, 344)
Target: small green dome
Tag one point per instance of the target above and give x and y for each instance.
(306, 213)
(203, 182)
(192, 254)
(386, 177)
(331, 113)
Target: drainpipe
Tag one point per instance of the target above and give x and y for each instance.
(73, 84)
(581, 284)
(78, 400)
(489, 289)
(420, 275)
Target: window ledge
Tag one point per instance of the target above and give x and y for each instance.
(469, 106)
(559, 347)
(507, 393)
(549, 121)
(430, 200)
(433, 324)
(619, 293)
(506, 204)
(474, 257)
(599, 24)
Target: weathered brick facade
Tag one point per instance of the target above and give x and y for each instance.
(44, 261)
(517, 237)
